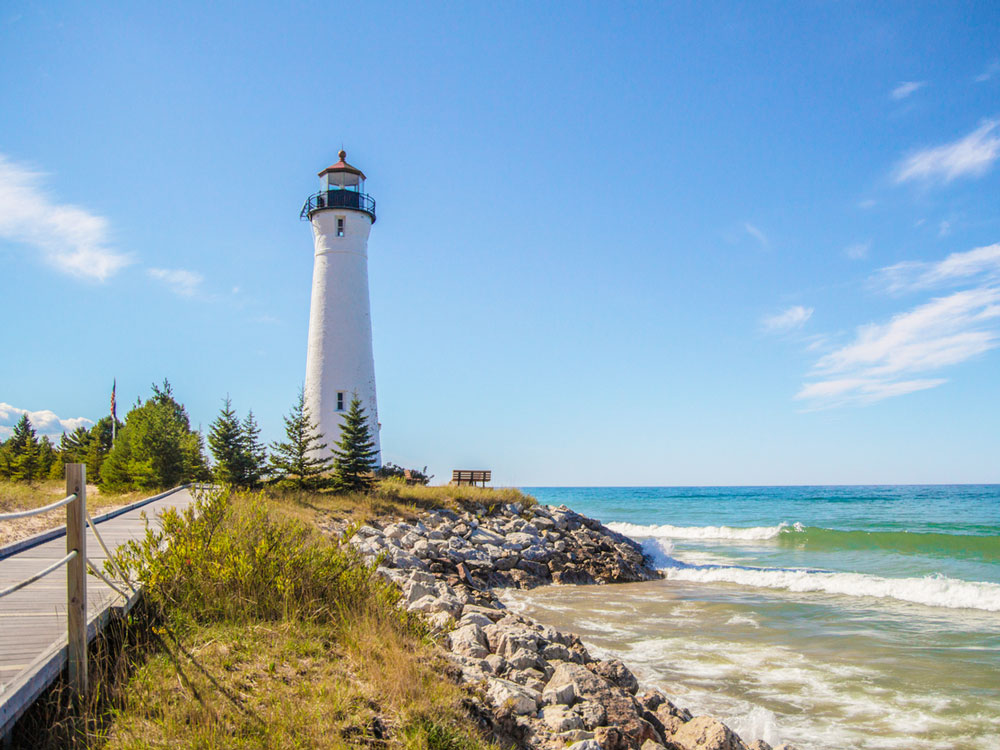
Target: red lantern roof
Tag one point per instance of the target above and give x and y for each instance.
(343, 166)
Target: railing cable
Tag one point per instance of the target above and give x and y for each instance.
(36, 511)
(111, 559)
(41, 574)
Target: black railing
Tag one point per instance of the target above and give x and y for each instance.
(339, 199)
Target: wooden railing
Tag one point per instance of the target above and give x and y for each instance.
(76, 571)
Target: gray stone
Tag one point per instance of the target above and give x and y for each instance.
(518, 699)
(561, 719)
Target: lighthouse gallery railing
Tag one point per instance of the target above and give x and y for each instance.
(339, 199)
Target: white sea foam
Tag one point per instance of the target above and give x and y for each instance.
(932, 591)
(666, 531)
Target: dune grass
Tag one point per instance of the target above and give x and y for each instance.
(265, 633)
(391, 498)
(24, 496)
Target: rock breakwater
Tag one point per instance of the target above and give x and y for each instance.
(533, 686)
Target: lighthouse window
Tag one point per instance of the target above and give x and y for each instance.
(340, 226)
(340, 395)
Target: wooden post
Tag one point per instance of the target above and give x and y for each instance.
(76, 578)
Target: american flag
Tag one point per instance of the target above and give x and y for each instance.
(114, 384)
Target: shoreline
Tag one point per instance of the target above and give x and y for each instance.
(531, 685)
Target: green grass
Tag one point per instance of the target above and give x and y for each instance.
(267, 634)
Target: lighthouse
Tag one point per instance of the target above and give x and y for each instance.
(339, 358)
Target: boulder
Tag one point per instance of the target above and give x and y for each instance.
(563, 694)
(707, 733)
(469, 641)
(586, 745)
(560, 718)
(508, 695)
(615, 672)
(759, 745)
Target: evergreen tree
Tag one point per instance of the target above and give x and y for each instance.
(74, 446)
(225, 440)
(155, 448)
(46, 457)
(254, 452)
(302, 460)
(98, 446)
(23, 451)
(354, 456)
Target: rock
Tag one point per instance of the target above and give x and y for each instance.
(561, 719)
(652, 700)
(474, 618)
(586, 745)
(707, 733)
(429, 604)
(618, 674)
(492, 614)
(667, 709)
(518, 540)
(652, 745)
(439, 621)
(563, 694)
(516, 698)
(523, 659)
(496, 662)
(593, 714)
(759, 745)
(469, 641)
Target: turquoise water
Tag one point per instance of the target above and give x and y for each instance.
(831, 617)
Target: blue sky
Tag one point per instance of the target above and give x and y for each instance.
(686, 243)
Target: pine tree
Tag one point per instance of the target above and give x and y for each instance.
(354, 456)
(24, 451)
(303, 460)
(254, 452)
(74, 445)
(225, 440)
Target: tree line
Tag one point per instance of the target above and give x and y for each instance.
(156, 447)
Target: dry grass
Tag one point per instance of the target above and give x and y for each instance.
(390, 498)
(293, 684)
(23, 496)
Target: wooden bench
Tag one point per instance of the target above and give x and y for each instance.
(463, 476)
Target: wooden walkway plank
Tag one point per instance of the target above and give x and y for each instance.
(33, 620)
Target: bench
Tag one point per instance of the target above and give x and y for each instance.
(470, 477)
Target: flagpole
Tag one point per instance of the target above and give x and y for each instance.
(114, 418)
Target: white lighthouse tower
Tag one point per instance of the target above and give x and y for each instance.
(339, 360)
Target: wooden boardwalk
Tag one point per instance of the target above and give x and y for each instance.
(33, 620)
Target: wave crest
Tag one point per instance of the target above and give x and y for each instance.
(666, 531)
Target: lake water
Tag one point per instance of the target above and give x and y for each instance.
(829, 617)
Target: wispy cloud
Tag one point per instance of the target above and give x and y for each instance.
(69, 238)
(178, 280)
(45, 422)
(756, 234)
(892, 358)
(787, 320)
(982, 262)
(906, 88)
(858, 251)
(970, 156)
(989, 73)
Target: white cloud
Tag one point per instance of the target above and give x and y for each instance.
(858, 250)
(787, 320)
(867, 203)
(45, 422)
(756, 234)
(906, 88)
(69, 238)
(957, 267)
(889, 359)
(883, 357)
(991, 70)
(970, 156)
(944, 228)
(181, 282)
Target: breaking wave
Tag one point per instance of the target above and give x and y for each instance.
(984, 547)
(931, 591)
